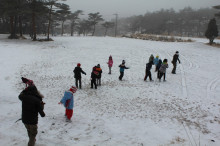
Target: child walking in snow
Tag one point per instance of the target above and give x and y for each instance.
(147, 71)
(110, 63)
(77, 75)
(158, 67)
(162, 70)
(122, 68)
(98, 68)
(68, 102)
(156, 61)
(94, 76)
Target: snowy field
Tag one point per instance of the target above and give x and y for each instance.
(184, 110)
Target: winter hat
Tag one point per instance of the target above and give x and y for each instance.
(78, 64)
(73, 89)
(123, 61)
(177, 52)
(98, 65)
(165, 60)
(157, 56)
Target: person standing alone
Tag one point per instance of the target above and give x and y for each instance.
(174, 62)
(77, 75)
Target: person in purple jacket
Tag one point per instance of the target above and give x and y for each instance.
(68, 102)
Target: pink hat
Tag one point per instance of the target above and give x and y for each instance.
(73, 89)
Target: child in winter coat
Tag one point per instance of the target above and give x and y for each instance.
(158, 67)
(122, 68)
(68, 102)
(94, 76)
(162, 70)
(77, 75)
(156, 61)
(147, 71)
(110, 63)
(151, 58)
(98, 68)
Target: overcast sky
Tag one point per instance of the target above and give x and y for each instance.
(127, 8)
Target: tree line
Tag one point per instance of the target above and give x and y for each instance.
(186, 22)
(18, 17)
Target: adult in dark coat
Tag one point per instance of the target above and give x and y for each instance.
(148, 72)
(174, 62)
(31, 106)
(77, 75)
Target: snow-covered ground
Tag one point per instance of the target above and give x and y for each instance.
(184, 110)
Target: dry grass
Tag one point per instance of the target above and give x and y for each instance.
(157, 38)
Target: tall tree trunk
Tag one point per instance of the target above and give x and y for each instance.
(12, 30)
(34, 27)
(20, 26)
(62, 28)
(48, 29)
(93, 30)
(71, 31)
(106, 31)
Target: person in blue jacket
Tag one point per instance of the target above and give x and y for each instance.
(68, 102)
(122, 68)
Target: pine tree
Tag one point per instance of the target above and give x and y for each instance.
(212, 31)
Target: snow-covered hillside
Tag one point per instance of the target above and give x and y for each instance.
(184, 110)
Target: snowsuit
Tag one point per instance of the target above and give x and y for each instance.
(31, 106)
(174, 62)
(99, 70)
(147, 71)
(77, 75)
(110, 63)
(122, 68)
(68, 102)
(162, 70)
(158, 67)
(94, 76)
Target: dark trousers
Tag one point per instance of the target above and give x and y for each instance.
(98, 81)
(93, 81)
(121, 75)
(162, 75)
(76, 82)
(147, 73)
(174, 68)
(110, 70)
(32, 132)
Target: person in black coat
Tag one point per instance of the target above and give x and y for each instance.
(77, 75)
(174, 62)
(147, 72)
(31, 106)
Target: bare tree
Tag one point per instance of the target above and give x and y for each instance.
(108, 25)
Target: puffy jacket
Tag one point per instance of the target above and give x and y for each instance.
(149, 65)
(77, 72)
(122, 67)
(163, 67)
(68, 100)
(110, 63)
(31, 105)
(98, 69)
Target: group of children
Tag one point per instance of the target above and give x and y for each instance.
(160, 68)
(68, 98)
